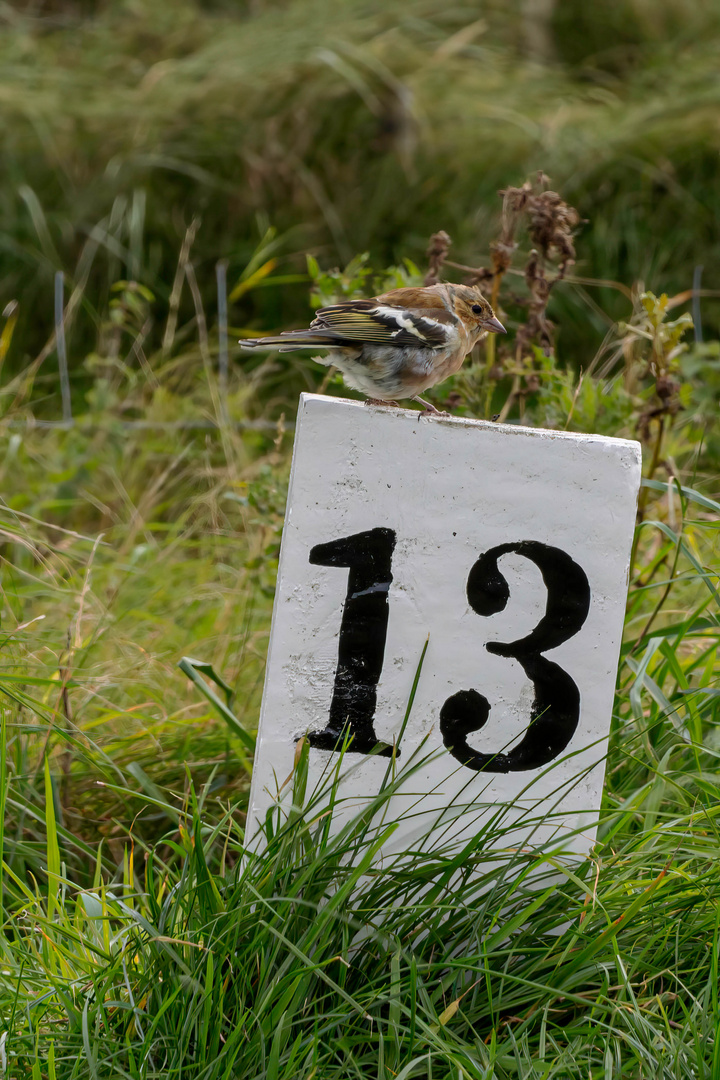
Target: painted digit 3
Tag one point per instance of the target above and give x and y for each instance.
(555, 710)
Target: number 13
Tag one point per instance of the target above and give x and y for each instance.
(555, 711)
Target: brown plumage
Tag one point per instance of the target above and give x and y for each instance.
(396, 345)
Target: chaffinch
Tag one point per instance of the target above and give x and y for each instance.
(396, 345)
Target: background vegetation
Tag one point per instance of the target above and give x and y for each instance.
(143, 145)
(349, 125)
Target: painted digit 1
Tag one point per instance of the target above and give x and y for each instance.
(556, 709)
(361, 644)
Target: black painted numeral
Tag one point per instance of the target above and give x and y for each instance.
(361, 645)
(556, 709)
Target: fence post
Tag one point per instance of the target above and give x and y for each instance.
(696, 317)
(61, 348)
(221, 273)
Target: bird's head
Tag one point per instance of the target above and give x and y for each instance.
(475, 311)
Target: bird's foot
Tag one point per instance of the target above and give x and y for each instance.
(428, 409)
(379, 401)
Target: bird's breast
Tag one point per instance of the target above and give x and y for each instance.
(390, 372)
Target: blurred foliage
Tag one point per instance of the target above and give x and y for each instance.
(350, 126)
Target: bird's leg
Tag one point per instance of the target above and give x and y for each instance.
(428, 409)
(379, 401)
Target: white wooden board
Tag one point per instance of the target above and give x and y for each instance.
(510, 547)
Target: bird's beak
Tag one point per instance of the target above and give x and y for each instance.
(494, 326)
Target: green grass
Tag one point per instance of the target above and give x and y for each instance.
(139, 937)
(180, 559)
(349, 126)
(141, 940)
(196, 959)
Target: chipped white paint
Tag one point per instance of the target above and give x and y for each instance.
(451, 490)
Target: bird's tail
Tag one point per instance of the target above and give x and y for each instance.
(291, 340)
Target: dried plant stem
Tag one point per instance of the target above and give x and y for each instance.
(661, 602)
(654, 462)
(490, 341)
(174, 305)
(326, 379)
(437, 254)
(644, 491)
(511, 398)
(217, 399)
(489, 365)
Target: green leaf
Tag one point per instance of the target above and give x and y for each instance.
(192, 669)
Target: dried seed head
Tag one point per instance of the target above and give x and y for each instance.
(666, 387)
(552, 223)
(437, 253)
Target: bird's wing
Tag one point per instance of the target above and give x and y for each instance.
(385, 324)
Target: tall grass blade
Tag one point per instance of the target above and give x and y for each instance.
(193, 669)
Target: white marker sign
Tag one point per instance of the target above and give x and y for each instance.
(509, 547)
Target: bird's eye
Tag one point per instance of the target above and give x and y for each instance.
(476, 309)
